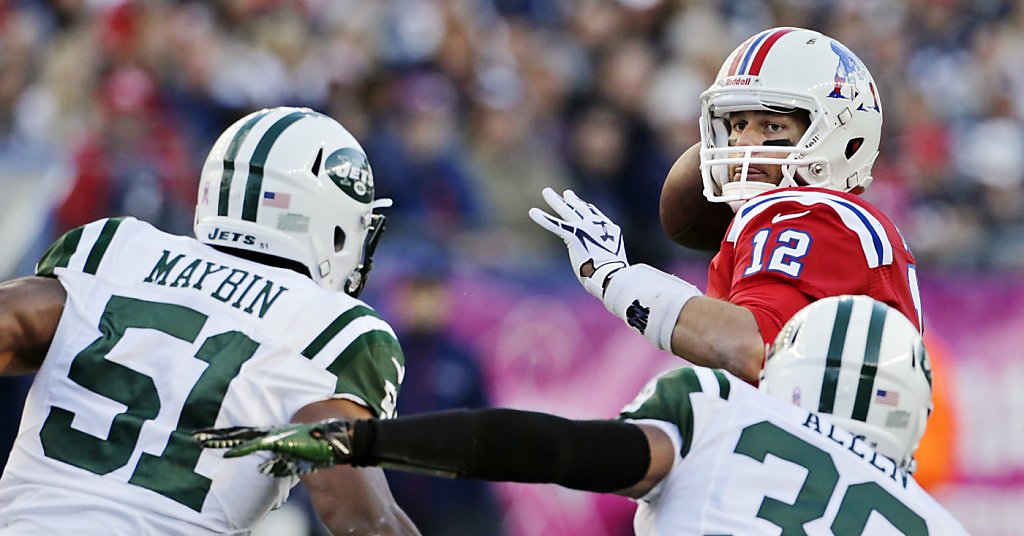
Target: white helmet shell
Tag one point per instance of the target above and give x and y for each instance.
(781, 70)
(295, 184)
(863, 363)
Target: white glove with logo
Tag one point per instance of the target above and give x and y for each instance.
(646, 298)
(595, 244)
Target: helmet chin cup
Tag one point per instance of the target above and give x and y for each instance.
(743, 191)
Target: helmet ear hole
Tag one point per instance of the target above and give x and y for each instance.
(852, 146)
(339, 239)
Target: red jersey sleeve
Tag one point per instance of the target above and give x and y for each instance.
(772, 305)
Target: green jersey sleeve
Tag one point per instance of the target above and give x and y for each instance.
(669, 397)
(371, 366)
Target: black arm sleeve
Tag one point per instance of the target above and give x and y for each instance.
(508, 445)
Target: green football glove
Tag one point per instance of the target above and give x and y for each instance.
(300, 448)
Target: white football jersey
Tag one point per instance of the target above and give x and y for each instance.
(162, 335)
(747, 463)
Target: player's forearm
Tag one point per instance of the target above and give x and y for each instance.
(339, 524)
(676, 317)
(508, 445)
(30, 309)
(357, 502)
(719, 334)
(351, 500)
(14, 330)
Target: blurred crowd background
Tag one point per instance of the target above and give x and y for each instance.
(467, 109)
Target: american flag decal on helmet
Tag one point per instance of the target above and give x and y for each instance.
(887, 397)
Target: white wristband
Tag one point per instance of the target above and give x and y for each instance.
(649, 300)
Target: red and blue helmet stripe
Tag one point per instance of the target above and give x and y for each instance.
(754, 51)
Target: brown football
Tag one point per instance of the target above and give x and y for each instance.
(687, 217)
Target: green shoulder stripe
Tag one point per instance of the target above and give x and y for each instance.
(370, 346)
(372, 368)
(723, 385)
(59, 254)
(92, 263)
(335, 327)
(670, 402)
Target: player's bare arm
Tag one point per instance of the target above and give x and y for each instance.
(718, 334)
(30, 309)
(707, 331)
(663, 454)
(670, 312)
(351, 500)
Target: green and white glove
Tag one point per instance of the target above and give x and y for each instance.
(596, 249)
(300, 448)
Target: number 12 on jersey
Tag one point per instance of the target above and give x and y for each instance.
(170, 474)
(786, 252)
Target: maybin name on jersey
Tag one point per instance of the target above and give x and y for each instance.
(223, 286)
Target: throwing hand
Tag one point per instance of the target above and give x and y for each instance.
(596, 250)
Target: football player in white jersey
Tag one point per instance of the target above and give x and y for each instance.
(824, 446)
(137, 337)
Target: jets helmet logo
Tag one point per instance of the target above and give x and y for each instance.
(350, 170)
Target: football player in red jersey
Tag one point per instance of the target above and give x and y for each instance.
(789, 132)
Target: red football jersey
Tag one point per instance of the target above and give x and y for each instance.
(789, 247)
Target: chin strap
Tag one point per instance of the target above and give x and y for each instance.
(357, 280)
(747, 189)
(649, 300)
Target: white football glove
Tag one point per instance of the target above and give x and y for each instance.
(646, 298)
(596, 249)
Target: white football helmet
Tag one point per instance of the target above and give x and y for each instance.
(782, 70)
(863, 363)
(293, 183)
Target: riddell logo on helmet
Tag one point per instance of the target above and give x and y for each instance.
(742, 81)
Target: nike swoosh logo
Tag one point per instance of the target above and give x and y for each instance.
(781, 217)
